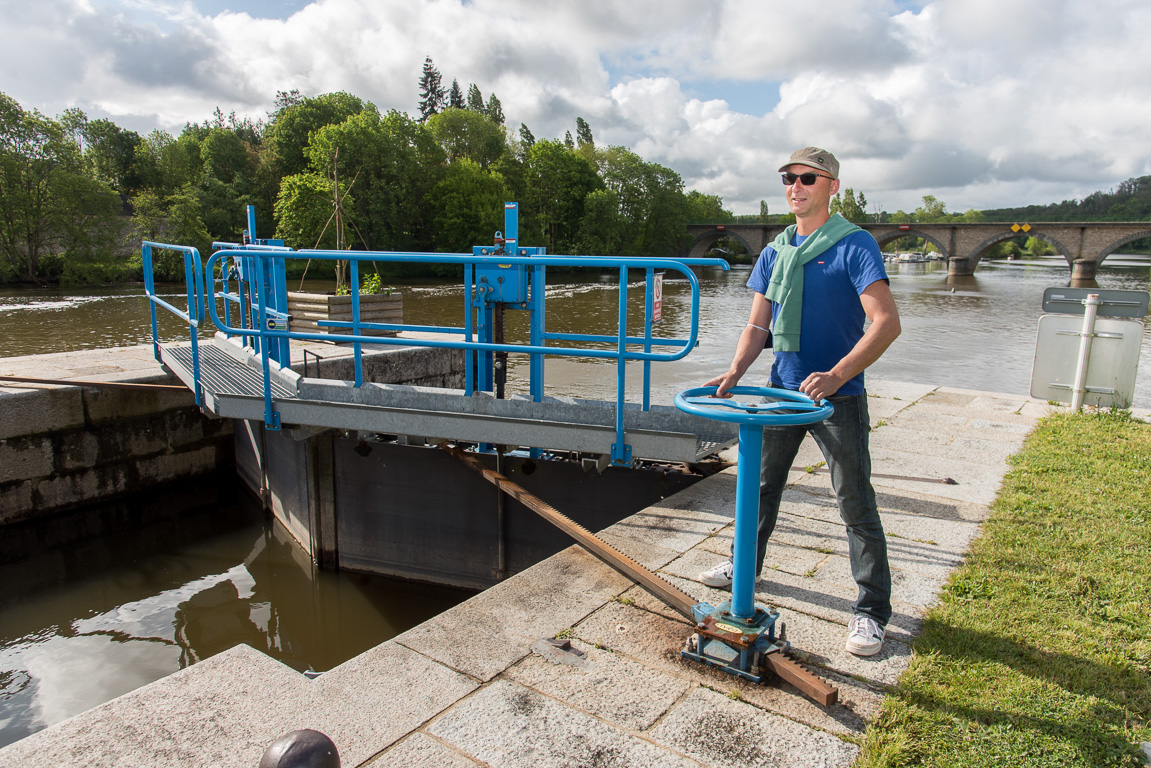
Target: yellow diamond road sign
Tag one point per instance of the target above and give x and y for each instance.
(1026, 227)
(1014, 227)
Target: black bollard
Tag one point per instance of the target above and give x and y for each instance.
(301, 749)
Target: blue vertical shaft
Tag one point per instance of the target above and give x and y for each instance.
(746, 520)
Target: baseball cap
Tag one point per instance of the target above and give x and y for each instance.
(814, 157)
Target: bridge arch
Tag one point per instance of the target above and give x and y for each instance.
(978, 253)
(1117, 244)
(704, 241)
(883, 238)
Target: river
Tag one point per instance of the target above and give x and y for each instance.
(979, 334)
(161, 607)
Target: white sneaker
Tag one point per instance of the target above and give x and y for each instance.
(719, 576)
(865, 636)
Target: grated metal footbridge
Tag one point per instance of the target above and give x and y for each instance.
(243, 369)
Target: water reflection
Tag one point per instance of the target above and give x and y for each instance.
(67, 648)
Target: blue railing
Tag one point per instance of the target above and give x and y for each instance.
(249, 279)
(194, 295)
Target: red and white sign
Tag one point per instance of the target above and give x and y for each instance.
(657, 298)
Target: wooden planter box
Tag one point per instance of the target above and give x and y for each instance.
(307, 309)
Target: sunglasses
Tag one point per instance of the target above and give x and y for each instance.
(807, 178)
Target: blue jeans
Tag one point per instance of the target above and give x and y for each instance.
(843, 439)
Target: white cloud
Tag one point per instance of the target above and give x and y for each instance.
(983, 103)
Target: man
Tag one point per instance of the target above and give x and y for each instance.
(815, 285)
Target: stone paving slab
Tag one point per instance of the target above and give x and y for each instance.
(506, 725)
(422, 751)
(721, 732)
(605, 684)
(488, 633)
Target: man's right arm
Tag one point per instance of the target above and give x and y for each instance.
(751, 342)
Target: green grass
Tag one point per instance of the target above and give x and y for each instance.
(1039, 651)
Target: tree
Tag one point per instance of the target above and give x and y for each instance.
(476, 99)
(305, 211)
(602, 229)
(583, 134)
(763, 211)
(494, 110)
(931, 210)
(49, 202)
(526, 141)
(468, 206)
(111, 151)
(851, 207)
(701, 207)
(291, 127)
(466, 134)
(556, 183)
(568, 140)
(456, 96)
(398, 161)
(432, 96)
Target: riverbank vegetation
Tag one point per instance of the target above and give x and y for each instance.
(79, 194)
(1039, 650)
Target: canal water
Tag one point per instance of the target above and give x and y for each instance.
(165, 600)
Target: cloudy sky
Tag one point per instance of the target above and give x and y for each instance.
(982, 103)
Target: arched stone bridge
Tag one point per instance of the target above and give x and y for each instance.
(1084, 244)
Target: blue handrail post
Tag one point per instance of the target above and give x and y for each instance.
(192, 280)
(354, 277)
(469, 329)
(621, 451)
(150, 290)
(648, 319)
(271, 416)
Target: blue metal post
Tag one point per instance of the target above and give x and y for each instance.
(150, 290)
(746, 521)
(469, 309)
(355, 293)
(620, 451)
(648, 312)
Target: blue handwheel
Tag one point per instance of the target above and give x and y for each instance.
(786, 408)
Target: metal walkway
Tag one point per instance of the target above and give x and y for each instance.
(244, 371)
(231, 382)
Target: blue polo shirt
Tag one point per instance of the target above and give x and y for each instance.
(833, 317)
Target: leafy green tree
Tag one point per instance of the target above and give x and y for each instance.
(468, 206)
(225, 156)
(466, 134)
(476, 99)
(763, 214)
(112, 152)
(494, 110)
(432, 96)
(701, 207)
(932, 210)
(49, 203)
(393, 162)
(556, 182)
(850, 206)
(297, 118)
(186, 227)
(525, 143)
(583, 134)
(602, 229)
(456, 96)
(305, 211)
(148, 214)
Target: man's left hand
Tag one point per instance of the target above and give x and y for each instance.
(820, 385)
